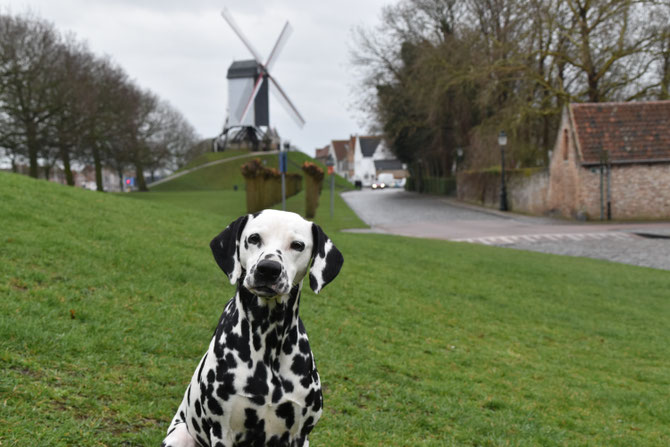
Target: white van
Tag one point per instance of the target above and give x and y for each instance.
(384, 181)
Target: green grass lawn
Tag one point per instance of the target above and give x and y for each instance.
(233, 203)
(107, 304)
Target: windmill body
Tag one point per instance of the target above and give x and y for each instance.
(241, 77)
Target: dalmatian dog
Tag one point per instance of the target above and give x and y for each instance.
(257, 384)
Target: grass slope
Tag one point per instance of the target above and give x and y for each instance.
(228, 175)
(107, 304)
(209, 157)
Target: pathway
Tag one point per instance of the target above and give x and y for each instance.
(402, 213)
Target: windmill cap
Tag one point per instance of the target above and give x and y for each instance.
(243, 69)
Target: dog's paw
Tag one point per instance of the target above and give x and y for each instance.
(179, 437)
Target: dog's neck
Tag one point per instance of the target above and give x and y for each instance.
(270, 321)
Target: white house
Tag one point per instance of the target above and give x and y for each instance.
(367, 150)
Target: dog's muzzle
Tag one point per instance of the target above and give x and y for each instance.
(267, 278)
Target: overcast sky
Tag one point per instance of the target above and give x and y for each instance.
(181, 50)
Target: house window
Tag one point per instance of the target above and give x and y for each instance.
(565, 144)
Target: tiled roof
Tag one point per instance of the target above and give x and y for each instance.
(631, 132)
(388, 165)
(341, 147)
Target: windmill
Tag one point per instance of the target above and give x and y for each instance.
(248, 85)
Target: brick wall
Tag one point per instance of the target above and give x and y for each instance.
(637, 191)
(564, 176)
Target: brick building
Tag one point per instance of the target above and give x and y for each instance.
(620, 147)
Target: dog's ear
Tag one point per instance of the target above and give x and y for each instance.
(226, 249)
(326, 260)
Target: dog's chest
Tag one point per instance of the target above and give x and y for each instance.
(257, 378)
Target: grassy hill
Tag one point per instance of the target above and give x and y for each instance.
(209, 157)
(107, 304)
(228, 175)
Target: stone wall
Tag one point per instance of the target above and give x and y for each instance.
(528, 192)
(526, 189)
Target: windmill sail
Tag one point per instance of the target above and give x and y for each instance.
(286, 103)
(229, 18)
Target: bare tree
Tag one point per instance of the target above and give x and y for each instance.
(60, 103)
(660, 27)
(608, 48)
(107, 137)
(28, 53)
(172, 140)
(71, 96)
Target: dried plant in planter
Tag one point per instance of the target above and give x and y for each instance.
(313, 182)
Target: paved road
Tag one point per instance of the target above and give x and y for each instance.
(399, 212)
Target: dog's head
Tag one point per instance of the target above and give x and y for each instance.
(270, 252)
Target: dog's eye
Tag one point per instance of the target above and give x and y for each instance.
(254, 239)
(297, 245)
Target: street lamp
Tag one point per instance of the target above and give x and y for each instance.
(502, 142)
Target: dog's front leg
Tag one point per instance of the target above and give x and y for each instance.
(179, 437)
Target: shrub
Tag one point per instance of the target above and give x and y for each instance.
(313, 183)
(263, 185)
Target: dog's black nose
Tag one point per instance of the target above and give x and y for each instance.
(268, 270)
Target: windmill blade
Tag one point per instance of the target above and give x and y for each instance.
(288, 105)
(229, 18)
(279, 45)
(254, 92)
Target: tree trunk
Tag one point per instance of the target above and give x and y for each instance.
(98, 170)
(65, 157)
(120, 174)
(139, 174)
(33, 148)
(665, 81)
